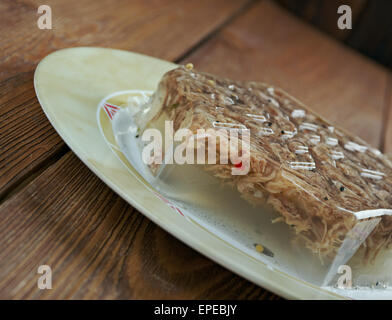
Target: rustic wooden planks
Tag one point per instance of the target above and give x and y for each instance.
(166, 30)
(90, 235)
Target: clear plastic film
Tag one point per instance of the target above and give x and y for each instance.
(257, 168)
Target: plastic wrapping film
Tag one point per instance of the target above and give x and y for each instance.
(259, 169)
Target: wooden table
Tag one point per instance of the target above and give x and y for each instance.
(54, 211)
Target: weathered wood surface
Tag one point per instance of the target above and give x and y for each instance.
(268, 44)
(57, 212)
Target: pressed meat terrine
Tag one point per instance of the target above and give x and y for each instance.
(320, 179)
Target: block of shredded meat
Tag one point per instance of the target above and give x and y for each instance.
(320, 179)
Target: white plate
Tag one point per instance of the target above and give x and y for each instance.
(70, 84)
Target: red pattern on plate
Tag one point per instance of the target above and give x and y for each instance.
(110, 110)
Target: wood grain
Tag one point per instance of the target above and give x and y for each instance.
(165, 29)
(268, 44)
(99, 247)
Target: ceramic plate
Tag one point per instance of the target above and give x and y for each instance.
(72, 86)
